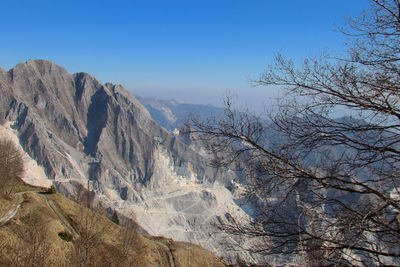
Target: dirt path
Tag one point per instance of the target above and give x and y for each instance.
(171, 259)
(9, 214)
(13, 210)
(50, 203)
(60, 216)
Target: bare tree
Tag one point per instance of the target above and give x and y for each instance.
(86, 245)
(324, 189)
(11, 165)
(32, 247)
(88, 241)
(130, 238)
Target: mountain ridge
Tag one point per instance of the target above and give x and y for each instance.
(84, 132)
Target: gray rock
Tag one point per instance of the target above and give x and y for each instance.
(79, 129)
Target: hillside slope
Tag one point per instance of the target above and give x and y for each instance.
(34, 236)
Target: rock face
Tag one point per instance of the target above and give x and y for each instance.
(79, 129)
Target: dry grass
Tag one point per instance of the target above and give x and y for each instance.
(187, 254)
(31, 237)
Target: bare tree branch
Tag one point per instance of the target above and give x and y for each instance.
(323, 188)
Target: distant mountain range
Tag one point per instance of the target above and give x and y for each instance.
(171, 114)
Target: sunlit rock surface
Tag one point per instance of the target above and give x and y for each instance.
(78, 129)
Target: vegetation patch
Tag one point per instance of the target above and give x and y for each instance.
(66, 236)
(52, 190)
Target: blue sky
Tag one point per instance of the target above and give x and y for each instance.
(191, 50)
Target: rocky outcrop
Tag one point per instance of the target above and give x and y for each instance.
(62, 116)
(79, 129)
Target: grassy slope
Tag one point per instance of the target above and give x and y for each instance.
(33, 234)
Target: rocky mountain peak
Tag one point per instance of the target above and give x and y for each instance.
(79, 129)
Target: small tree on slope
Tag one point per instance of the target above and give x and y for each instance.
(11, 165)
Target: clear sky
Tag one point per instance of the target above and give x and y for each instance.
(191, 50)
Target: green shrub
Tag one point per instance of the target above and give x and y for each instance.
(65, 236)
(52, 190)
